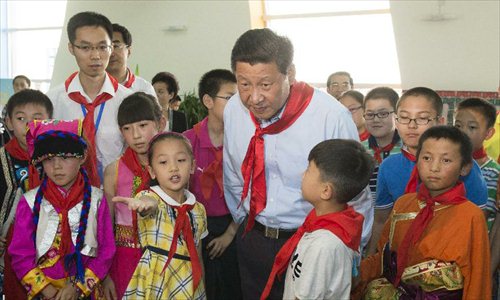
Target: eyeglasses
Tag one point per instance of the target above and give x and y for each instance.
(88, 48)
(418, 121)
(225, 98)
(343, 84)
(380, 115)
(354, 109)
(119, 46)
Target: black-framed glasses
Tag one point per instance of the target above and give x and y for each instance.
(418, 121)
(119, 46)
(380, 115)
(88, 48)
(223, 97)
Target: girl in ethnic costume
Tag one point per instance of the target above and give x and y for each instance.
(171, 225)
(140, 118)
(64, 240)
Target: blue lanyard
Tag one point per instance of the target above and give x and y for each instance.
(99, 115)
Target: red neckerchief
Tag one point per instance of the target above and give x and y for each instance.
(253, 167)
(183, 225)
(347, 225)
(131, 161)
(455, 195)
(63, 205)
(130, 80)
(377, 151)
(479, 153)
(364, 136)
(411, 186)
(213, 172)
(15, 150)
(89, 126)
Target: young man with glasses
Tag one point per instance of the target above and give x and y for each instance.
(117, 67)
(418, 109)
(90, 93)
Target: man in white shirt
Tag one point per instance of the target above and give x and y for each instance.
(90, 93)
(270, 126)
(117, 67)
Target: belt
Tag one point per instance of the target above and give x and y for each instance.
(274, 233)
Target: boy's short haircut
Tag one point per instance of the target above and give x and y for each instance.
(29, 96)
(452, 134)
(211, 82)
(127, 37)
(355, 95)
(485, 108)
(263, 46)
(345, 164)
(169, 79)
(88, 18)
(383, 93)
(339, 73)
(22, 77)
(428, 93)
(137, 107)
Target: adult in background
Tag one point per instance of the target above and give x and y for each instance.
(269, 128)
(339, 83)
(166, 88)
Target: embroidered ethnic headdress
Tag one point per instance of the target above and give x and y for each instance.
(49, 138)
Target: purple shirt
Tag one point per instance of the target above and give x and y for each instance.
(204, 155)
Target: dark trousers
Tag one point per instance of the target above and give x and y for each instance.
(222, 277)
(256, 255)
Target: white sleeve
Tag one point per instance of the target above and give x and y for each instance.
(364, 205)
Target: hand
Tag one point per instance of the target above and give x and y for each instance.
(68, 292)
(49, 292)
(143, 204)
(218, 245)
(109, 288)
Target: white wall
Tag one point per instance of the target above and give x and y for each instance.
(460, 54)
(212, 29)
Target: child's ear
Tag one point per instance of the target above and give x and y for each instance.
(193, 167)
(8, 122)
(84, 158)
(208, 101)
(489, 133)
(327, 191)
(151, 172)
(162, 123)
(465, 169)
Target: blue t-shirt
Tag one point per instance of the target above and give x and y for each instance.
(395, 171)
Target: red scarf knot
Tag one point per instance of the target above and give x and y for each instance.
(453, 196)
(253, 167)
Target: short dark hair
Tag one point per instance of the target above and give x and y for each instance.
(127, 37)
(166, 135)
(29, 96)
(383, 93)
(428, 93)
(355, 95)
(138, 107)
(88, 18)
(169, 79)
(345, 164)
(485, 108)
(22, 77)
(452, 134)
(211, 82)
(339, 73)
(263, 46)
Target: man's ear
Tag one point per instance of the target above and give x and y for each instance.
(208, 101)
(327, 191)
(129, 51)
(70, 48)
(465, 170)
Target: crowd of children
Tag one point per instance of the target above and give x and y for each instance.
(161, 227)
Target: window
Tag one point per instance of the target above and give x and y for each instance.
(330, 36)
(31, 32)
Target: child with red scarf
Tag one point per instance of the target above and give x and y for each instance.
(17, 175)
(476, 118)
(322, 256)
(140, 118)
(435, 243)
(63, 244)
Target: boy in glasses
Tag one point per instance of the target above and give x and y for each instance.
(418, 109)
(91, 93)
(117, 67)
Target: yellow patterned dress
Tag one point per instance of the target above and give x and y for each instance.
(156, 232)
